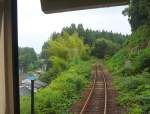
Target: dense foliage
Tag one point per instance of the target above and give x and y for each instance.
(76, 42)
(89, 36)
(62, 92)
(68, 75)
(138, 12)
(61, 51)
(131, 65)
(104, 48)
(132, 72)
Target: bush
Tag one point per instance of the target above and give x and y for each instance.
(61, 51)
(131, 70)
(25, 105)
(62, 91)
(133, 92)
(104, 48)
(143, 60)
(128, 68)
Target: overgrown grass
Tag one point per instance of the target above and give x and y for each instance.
(63, 91)
(130, 68)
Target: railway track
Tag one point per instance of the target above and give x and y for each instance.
(99, 97)
(96, 102)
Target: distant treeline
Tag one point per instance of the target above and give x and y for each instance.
(89, 36)
(102, 43)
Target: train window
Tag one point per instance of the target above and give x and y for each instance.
(74, 60)
(56, 52)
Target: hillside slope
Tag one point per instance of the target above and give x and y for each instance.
(131, 72)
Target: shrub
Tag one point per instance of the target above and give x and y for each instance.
(143, 60)
(62, 91)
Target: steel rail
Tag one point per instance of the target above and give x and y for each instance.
(90, 94)
(105, 85)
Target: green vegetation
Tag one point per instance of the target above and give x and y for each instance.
(61, 51)
(25, 105)
(88, 37)
(68, 74)
(63, 91)
(138, 13)
(131, 65)
(73, 43)
(131, 68)
(104, 48)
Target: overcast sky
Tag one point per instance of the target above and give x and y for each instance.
(35, 27)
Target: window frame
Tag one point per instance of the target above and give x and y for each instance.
(14, 17)
(12, 12)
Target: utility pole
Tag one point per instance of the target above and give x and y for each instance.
(32, 78)
(32, 96)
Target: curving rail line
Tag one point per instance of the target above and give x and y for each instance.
(83, 109)
(105, 85)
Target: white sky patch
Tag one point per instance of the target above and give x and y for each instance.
(35, 27)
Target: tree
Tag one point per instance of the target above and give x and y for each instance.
(61, 51)
(70, 30)
(104, 48)
(80, 30)
(89, 36)
(138, 13)
(27, 58)
(44, 54)
(53, 36)
(44, 51)
(67, 47)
